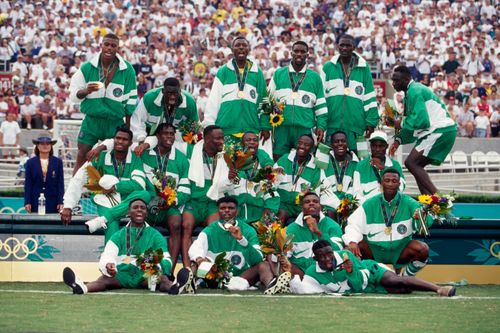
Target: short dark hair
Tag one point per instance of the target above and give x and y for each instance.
(111, 36)
(349, 37)
(308, 193)
(209, 129)
(137, 199)
(391, 170)
(337, 132)
(227, 199)
(164, 125)
(308, 136)
(249, 132)
(239, 37)
(301, 42)
(320, 244)
(125, 129)
(171, 82)
(403, 70)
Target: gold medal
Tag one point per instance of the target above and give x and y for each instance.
(388, 230)
(241, 94)
(340, 187)
(295, 95)
(249, 185)
(347, 91)
(126, 260)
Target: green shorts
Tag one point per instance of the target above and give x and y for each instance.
(201, 209)
(437, 145)
(291, 209)
(160, 216)
(376, 272)
(95, 129)
(286, 137)
(129, 276)
(387, 256)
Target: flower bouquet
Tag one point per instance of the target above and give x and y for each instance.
(219, 274)
(438, 206)
(149, 263)
(165, 187)
(390, 114)
(97, 184)
(191, 131)
(345, 209)
(266, 179)
(305, 189)
(272, 236)
(273, 107)
(236, 156)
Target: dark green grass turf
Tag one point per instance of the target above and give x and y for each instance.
(53, 310)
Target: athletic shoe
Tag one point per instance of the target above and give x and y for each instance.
(278, 284)
(73, 282)
(96, 224)
(447, 291)
(184, 278)
(191, 287)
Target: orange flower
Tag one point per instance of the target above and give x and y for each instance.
(188, 137)
(240, 153)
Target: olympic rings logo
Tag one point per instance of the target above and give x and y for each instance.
(18, 248)
(492, 250)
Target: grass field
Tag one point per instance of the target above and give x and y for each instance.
(50, 307)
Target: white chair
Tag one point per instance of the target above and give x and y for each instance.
(493, 159)
(478, 160)
(447, 164)
(459, 160)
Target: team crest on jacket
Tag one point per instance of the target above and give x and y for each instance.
(402, 229)
(359, 90)
(306, 99)
(236, 259)
(253, 94)
(117, 92)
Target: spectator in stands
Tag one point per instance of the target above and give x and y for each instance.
(46, 112)
(482, 124)
(28, 112)
(465, 120)
(495, 122)
(4, 107)
(44, 174)
(104, 111)
(9, 135)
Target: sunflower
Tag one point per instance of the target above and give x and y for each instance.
(425, 199)
(276, 119)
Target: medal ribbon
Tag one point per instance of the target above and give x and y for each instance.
(254, 170)
(388, 221)
(139, 234)
(211, 165)
(241, 79)
(302, 166)
(339, 177)
(117, 167)
(346, 76)
(377, 174)
(162, 161)
(295, 86)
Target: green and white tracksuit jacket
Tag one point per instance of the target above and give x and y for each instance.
(110, 103)
(357, 110)
(149, 114)
(317, 280)
(424, 114)
(230, 112)
(331, 202)
(215, 239)
(251, 204)
(365, 182)
(368, 222)
(177, 168)
(115, 250)
(303, 239)
(131, 179)
(309, 109)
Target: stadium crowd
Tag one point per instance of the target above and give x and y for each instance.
(43, 43)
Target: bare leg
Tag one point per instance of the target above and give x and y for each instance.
(366, 253)
(165, 284)
(260, 272)
(103, 283)
(174, 223)
(283, 216)
(83, 149)
(187, 232)
(212, 218)
(396, 284)
(414, 251)
(416, 162)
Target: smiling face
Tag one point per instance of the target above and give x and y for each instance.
(138, 211)
(215, 140)
(240, 49)
(324, 257)
(227, 211)
(304, 146)
(250, 141)
(109, 47)
(339, 144)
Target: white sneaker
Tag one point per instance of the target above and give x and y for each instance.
(73, 282)
(96, 224)
(184, 278)
(28, 126)
(45, 127)
(279, 285)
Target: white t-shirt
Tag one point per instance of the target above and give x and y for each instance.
(28, 109)
(482, 122)
(9, 129)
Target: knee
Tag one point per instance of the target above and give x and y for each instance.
(421, 250)
(174, 226)
(409, 164)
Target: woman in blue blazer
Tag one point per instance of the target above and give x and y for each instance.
(44, 173)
